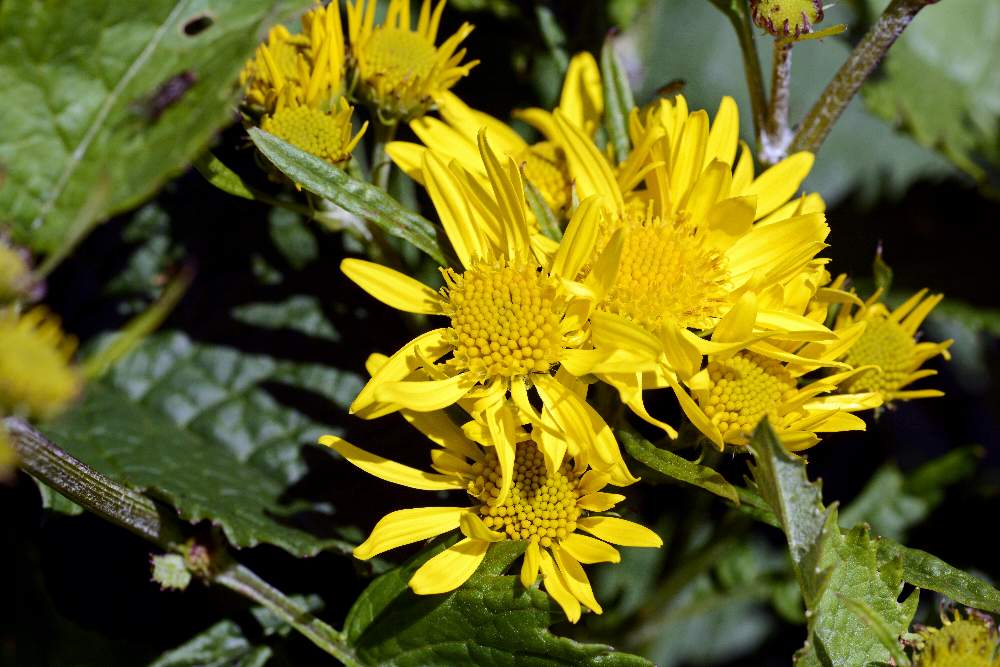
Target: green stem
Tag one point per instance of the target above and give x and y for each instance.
(140, 514)
(739, 15)
(776, 135)
(854, 72)
(382, 133)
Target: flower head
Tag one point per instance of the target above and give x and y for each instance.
(16, 280)
(547, 504)
(888, 349)
(972, 641)
(36, 379)
(324, 134)
(400, 71)
(514, 315)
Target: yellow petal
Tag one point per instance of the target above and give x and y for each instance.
(442, 431)
(690, 153)
(425, 395)
(474, 528)
(618, 333)
(388, 470)
(575, 579)
(724, 136)
(449, 569)
(729, 220)
(778, 247)
(529, 568)
(604, 272)
(577, 246)
(392, 287)
(409, 157)
(590, 169)
(409, 526)
(712, 186)
(557, 589)
(599, 502)
(509, 191)
(582, 98)
(780, 183)
(453, 210)
(470, 121)
(500, 422)
(620, 531)
(588, 550)
(738, 323)
(425, 348)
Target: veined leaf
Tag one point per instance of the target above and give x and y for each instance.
(491, 620)
(677, 467)
(114, 95)
(362, 199)
(222, 645)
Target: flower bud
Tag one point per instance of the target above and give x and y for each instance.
(786, 18)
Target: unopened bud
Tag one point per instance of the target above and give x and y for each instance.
(170, 572)
(786, 18)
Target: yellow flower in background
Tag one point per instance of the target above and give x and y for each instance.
(15, 273)
(547, 505)
(398, 70)
(543, 162)
(697, 236)
(889, 347)
(972, 641)
(36, 378)
(297, 82)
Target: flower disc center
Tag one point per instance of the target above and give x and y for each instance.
(743, 389)
(885, 344)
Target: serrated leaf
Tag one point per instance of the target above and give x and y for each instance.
(677, 467)
(491, 620)
(87, 85)
(362, 199)
(830, 565)
(928, 571)
(883, 631)
(222, 645)
(940, 83)
(618, 101)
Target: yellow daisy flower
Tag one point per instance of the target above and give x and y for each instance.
(545, 506)
(889, 348)
(697, 237)
(296, 82)
(399, 70)
(514, 314)
(742, 383)
(960, 642)
(36, 379)
(15, 273)
(543, 162)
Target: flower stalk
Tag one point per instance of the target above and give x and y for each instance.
(777, 136)
(738, 14)
(854, 72)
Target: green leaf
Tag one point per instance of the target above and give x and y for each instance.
(677, 467)
(293, 238)
(192, 423)
(883, 631)
(940, 83)
(491, 620)
(892, 503)
(618, 102)
(881, 271)
(830, 565)
(362, 199)
(300, 313)
(88, 110)
(222, 177)
(222, 645)
(928, 571)
(54, 501)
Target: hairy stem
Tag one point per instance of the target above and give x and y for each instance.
(739, 15)
(140, 514)
(855, 70)
(776, 135)
(381, 164)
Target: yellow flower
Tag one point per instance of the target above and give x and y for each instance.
(743, 383)
(326, 135)
(399, 70)
(514, 313)
(889, 347)
(543, 162)
(698, 236)
(36, 379)
(15, 273)
(306, 69)
(960, 642)
(546, 505)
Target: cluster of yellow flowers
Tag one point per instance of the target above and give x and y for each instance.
(679, 269)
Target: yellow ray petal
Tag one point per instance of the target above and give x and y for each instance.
(453, 210)
(557, 588)
(618, 333)
(729, 220)
(587, 549)
(392, 287)
(738, 323)
(619, 531)
(425, 348)
(767, 249)
(409, 157)
(389, 470)
(425, 395)
(780, 183)
(469, 121)
(599, 502)
(529, 568)
(590, 169)
(473, 527)
(582, 98)
(578, 242)
(724, 136)
(502, 427)
(409, 526)
(575, 579)
(509, 191)
(449, 569)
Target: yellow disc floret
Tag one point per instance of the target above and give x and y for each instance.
(540, 507)
(35, 376)
(963, 642)
(886, 345)
(668, 274)
(504, 319)
(326, 135)
(743, 389)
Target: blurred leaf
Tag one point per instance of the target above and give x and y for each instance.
(618, 101)
(91, 81)
(940, 82)
(677, 467)
(930, 572)
(500, 8)
(892, 503)
(222, 645)
(192, 423)
(54, 501)
(976, 318)
(362, 199)
(881, 271)
(491, 620)
(222, 177)
(293, 238)
(300, 313)
(140, 281)
(829, 565)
